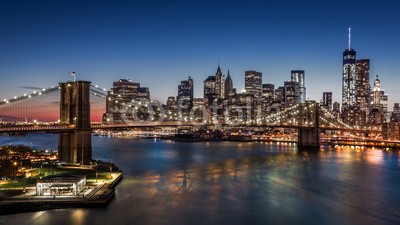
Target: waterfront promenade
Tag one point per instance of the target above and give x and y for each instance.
(96, 195)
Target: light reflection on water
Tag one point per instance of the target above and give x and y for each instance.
(236, 183)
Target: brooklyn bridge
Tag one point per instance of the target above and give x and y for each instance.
(73, 109)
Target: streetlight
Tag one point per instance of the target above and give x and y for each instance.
(110, 168)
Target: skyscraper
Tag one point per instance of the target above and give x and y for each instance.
(377, 91)
(362, 84)
(280, 94)
(228, 86)
(268, 92)
(267, 97)
(379, 98)
(121, 98)
(298, 77)
(209, 89)
(336, 107)
(185, 95)
(379, 104)
(171, 109)
(219, 83)
(327, 100)
(349, 76)
(291, 93)
(185, 89)
(253, 83)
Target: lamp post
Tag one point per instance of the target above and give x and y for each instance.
(97, 172)
(110, 168)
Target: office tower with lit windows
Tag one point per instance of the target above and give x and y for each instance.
(349, 77)
(267, 97)
(291, 93)
(395, 116)
(171, 109)
(214, 86)
(298, 77)
(121, 99)
(326, 100)
(379, 98)
(336, 107)
(253, 83)
(376, 98)
(362, 83)
(185, 89)
(185, 96)
(268, 93)
(219, 83)
(229, 91)
(209, 91)
(379, 104)
(280, 95)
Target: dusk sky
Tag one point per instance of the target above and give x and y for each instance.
(160, 43)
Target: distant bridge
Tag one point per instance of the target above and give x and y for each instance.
(308, 118)
(111, 126)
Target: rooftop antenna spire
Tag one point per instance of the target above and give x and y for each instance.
(349, 38)
(74, 75)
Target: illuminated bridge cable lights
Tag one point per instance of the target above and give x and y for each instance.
(44, 105)
(25, 96)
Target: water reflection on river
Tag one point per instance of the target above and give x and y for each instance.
(235, 183)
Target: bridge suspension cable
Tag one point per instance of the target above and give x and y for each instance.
(44, 105)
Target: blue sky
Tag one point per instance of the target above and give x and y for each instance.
(160, 43)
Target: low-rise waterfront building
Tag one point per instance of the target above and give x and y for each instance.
(61, 185)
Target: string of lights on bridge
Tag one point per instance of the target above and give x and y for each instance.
(97, 91)
(289, 113)
(295, 111)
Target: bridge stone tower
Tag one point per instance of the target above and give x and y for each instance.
(308, 133)
(75, 146)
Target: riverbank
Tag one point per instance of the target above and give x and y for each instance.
(100, 196)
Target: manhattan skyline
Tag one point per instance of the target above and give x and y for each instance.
(154, 41)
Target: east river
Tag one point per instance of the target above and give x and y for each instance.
(167, 182)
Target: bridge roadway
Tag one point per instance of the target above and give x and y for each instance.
(101, 126)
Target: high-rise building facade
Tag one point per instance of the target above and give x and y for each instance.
(171, 109)
(291, 93)
(121, 98)
(185, 96)
(376, 99)
(349, 77)
(336, 107)
(186, 89)
(395, 117)
(362, 83)
(280, 94)
(229, 92)
(219, 83)
(327, 100)
(253, 83)
(209, 91)
(379, 105)
(298, 77)
(268, 95)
